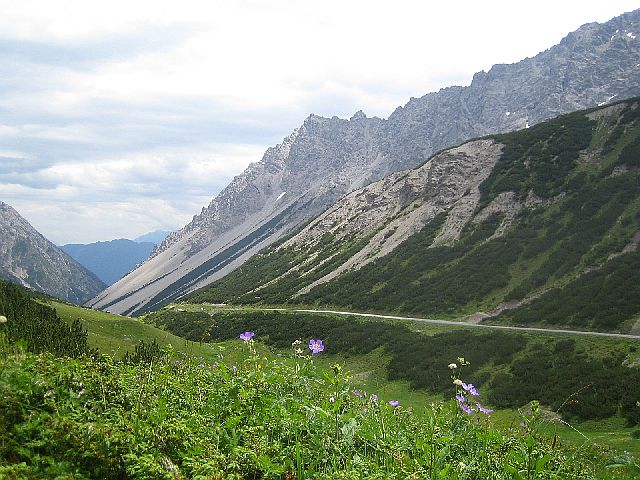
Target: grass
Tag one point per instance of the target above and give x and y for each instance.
(115, 335)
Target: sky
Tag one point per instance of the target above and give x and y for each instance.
(118, 118)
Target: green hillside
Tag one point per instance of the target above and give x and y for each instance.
(46, 324)
(27, 320)
(229, 409)
(570, 253)
(116, 335)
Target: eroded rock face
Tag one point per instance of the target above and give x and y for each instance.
(401, 204)
(327, 158)
(30, 260)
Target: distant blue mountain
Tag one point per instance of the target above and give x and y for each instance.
(154, 237)
(110, 261)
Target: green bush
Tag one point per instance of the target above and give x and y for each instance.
(37, 325)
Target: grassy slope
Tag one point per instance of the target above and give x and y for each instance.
(115, 335)
(96, 418)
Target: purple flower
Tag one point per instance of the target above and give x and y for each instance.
(357, 393)
(461, 398)
(484, 410)
(394, 403)
(523, 424)
(246, 336)
(234, 369)
(470, 388)
(374, 398)
(316, 346)
(465, 408)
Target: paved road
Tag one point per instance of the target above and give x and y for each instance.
(461, 324)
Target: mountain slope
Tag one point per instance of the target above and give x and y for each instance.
(540, 226)
(111, 260)
(30, 260)
(327, 158)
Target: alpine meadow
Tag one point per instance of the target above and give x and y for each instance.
(451, 292)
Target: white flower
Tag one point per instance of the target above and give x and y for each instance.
(452, 366)
(3, 319)
(458, 382)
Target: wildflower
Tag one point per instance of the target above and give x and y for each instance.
(374, 398)
(316, 346)
(452, 366)
(523, 424)
(465, 408)
(246, 336)
(461, 398)
(297, 347)
(469, 387)
(458, 382)
(484, 410)
(394, 403)
(332, 399)
(234, 369)
(357, 393)
(3, 319)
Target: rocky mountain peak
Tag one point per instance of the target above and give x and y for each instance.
(359, 115)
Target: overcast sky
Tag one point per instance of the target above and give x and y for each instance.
(122, 117)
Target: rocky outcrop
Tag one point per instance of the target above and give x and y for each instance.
(327, 158)
(391, 210)
(30, 260)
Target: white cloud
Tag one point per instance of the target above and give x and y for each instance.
(123, 197)
(120, 117)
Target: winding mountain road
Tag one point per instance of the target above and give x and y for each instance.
(459, 324)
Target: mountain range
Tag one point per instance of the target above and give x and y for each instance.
(327, 158)
(536, 227)
(111, 260)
